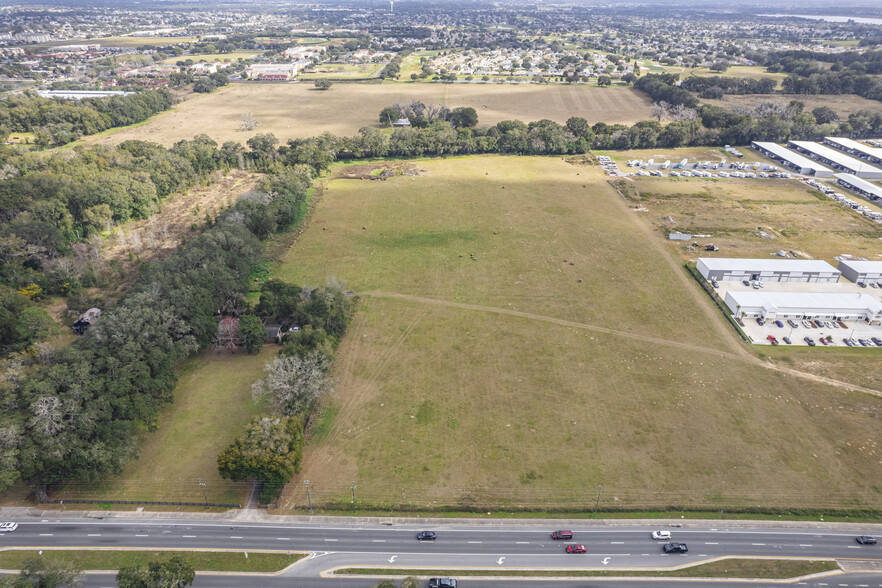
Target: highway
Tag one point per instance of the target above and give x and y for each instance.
(460, 544)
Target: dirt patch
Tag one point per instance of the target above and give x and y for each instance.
(379, 172)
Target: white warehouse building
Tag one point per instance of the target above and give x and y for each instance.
(767, 270)
(861, 271)
(804, 306)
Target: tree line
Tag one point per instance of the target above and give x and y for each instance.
(56, 121)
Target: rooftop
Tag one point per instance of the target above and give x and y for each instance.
(836, 156)
(862, 265)
(852, 144)
(807, 300)
(861, 183)
(769, 265)
(791, 156)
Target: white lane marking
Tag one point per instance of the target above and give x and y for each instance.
(711, 543)
(854, 546)
(93, 535)
(393, 558)
(283, 538)
(522, 542)
(234, 537)
(142, 535)
(330, 539)
(475, 541)
(46, 534)
(801, 545)
(189, 536)
(759, 544)
(378, 540)
(616, 542)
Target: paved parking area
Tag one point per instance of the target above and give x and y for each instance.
(759, 334)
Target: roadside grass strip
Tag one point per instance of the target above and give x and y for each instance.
(202, 561)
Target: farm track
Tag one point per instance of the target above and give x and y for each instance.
(742, 357)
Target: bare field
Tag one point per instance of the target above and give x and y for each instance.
(793, 217)
(299, 110)
(843, 105)
(504, 382)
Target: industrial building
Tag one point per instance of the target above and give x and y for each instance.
(836, 159)
(804, 306)
(792, 160)
(861, 271)
(767, 270)
(859, 150)
(859, 186)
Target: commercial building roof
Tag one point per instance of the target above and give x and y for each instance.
(862, 266)
(810, 301)
(791, 156)
(837, 157)
(852, 144)
(768, 265)
(860, 183)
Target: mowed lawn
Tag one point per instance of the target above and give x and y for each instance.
(212, 405)
(299, 110)
(624, 380)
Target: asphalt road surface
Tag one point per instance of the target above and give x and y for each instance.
(458, 545)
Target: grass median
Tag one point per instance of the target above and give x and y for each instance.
(770, 569)
(202, 561)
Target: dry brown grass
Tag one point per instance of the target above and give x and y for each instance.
(843, 105)
(298, 110)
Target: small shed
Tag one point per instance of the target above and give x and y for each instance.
(85, 320)
(402, 122)
(678, 236)
(273, 333)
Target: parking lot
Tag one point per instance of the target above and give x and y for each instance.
(854, 329)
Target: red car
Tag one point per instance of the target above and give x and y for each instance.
(562, 535)
(772, 339)
(576, 549)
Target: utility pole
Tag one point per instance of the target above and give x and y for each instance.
(352, 487)
(308, 497)
(597, 504)
(202, 485)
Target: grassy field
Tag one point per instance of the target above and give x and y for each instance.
(335, 71)
(843, 105)
(298, 110)
(212, 404)
(202, 561)
(231, 57)
(572, 352)
(729, 568)
(794, 217)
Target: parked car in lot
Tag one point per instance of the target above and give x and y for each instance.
(780, 324)
(864, 342)
(760, 321)
(577, 549)
(562, 535)
(715, 284)
(426, 536)
(854, 342)
(661, 535)
(793, 323)
(866, 540)
(676, 548)
(806, 324)
(787, 340)
(442, 583)
(745, 282)
(772, 339)
(8, 527)
(823, 340)
(810, 341)
(862, 284)
(756, 285)
(877, 341)
(847, 341)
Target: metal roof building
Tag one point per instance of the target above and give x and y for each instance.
(837, 159)
(861, 271)
(804, 305)
(859, 186)
(792, 160)
(767, 270)
(859, 150)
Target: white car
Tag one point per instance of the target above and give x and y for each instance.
(665, 535)
(8, 527)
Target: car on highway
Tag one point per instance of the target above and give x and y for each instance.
(442, 583)
(577, 549)
(866, 540)
(426, 536)
(661, 535)
(676, 548)
(8, 527)
(562, 534)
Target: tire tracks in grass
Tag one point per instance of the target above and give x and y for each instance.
(740, 357)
